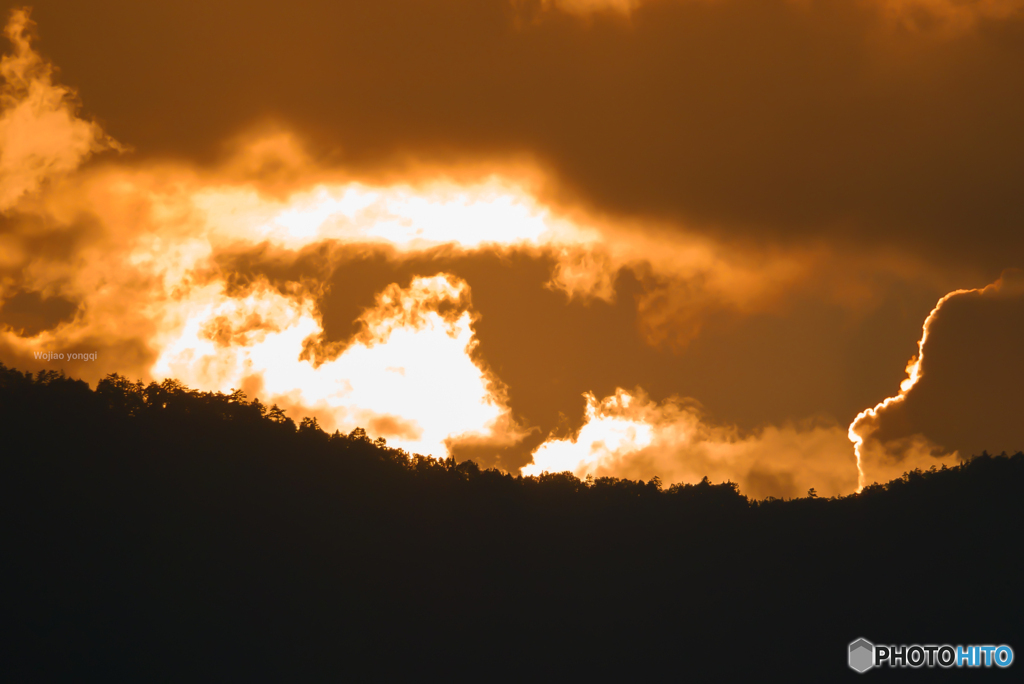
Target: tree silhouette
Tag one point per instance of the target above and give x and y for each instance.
(158, 532)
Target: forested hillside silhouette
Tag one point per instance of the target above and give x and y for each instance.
(156, 533)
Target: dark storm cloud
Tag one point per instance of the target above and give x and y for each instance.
(764, 119)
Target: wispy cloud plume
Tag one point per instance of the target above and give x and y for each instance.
(41, 133)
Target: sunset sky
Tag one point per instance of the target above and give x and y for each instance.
(776, 242)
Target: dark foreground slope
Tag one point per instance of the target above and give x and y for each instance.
(156, 534)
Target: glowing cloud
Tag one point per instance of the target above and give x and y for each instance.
(143, 275)
(41, 135)
(493, 212)
(627, 435)
(589, 6)
(949, 14)
(919, 450)
(410, 378)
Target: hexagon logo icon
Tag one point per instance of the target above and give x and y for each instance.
(862, 655)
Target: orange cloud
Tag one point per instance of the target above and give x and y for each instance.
(411, 376)
(776, 121)
(133, 262)
(922, 15)
(952, 402)
(41, 134)
(589, 6)
(916, 14)
(627, 435)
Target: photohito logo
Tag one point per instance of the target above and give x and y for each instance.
(864, 655)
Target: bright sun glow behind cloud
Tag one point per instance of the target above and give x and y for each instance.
(412, 380)
(144, 258)
(491, 212)
(628, 435)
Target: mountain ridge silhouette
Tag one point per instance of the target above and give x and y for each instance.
(159, 533)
